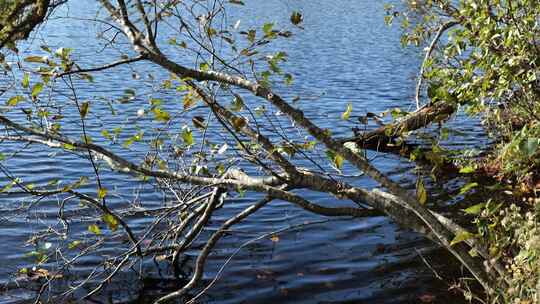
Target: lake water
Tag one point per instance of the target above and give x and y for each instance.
(346, 54)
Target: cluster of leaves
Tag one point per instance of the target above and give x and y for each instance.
(519, 157)
(512, 236)
(488, 62)
(485, 59)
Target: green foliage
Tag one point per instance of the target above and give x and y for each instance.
(519, 156)
(512, 237)
(486, 60)
(187, 136)
(468, 187)
(490, 57)
(421, 192)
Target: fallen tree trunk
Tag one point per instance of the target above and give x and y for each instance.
(384, 138)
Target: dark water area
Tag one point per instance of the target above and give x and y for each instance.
(346, 54)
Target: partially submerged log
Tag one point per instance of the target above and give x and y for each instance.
(384, 138)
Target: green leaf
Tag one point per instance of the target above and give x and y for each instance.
(74, 244)
(111, 221)
(296, 18)
(267, 28)
(26, 80)
(86, 139)
(211, 31)
(87, 77)
(467, 170)
(36, 59)
(388, 19)
(347, 114)
(128, 143)
(105, 133)
(467, 187)
(445, 133)
(204, 67)
(82, 181)
(531, 146)
(13, 101)
(94, 229)
(237, 103)
(161, 115)
(84, 109)
(251, 36)
(288, 79)
(421, 193)
(102, 193)
(129, 95)
(36, 89)
(476, 209)
(460, 237)
(8, 186)
(330, 154)
(187, 137)
(68, 146)
(53, 182)
(338, 161)
(63, 52)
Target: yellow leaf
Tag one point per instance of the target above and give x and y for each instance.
(74, 244)
(460, 237)
(36, 59)
(189, 101)
(84, 109)
(421, 192)
(161, 258)
(94, 229)
(13, 101)
(111, 221)
(347, 114)
(338, 161)
(187, 137)
(238, 123)
(102, 193)
(38, 273)
(68, 146)
(274, 238)
(161, 115)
